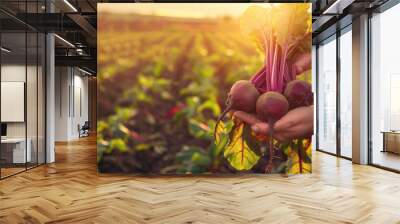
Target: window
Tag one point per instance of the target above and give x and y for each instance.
(385, 89)
(346, 93)
(327, 96)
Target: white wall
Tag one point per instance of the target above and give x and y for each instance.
(71, 102)
(80, 105)
(61, 103)
(14, 73)
(11, 73)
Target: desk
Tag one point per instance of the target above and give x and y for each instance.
(391, 141)
(16, 147)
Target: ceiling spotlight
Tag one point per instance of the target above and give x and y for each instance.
(337, 7)
(70, 5)
(5, 50)
(84, 71)
(65, 41)
(79, 51)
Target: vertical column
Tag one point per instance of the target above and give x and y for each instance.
(360, 90)
(0, 100)
(92, 99)
(338, 77)
(314, 89)
(50, 92)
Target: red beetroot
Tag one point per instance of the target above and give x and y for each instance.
(242, 96)
(299, 93)
(271, 106)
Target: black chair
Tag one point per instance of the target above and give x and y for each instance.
(84, 130)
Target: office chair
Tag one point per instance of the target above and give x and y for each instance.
(84, 130)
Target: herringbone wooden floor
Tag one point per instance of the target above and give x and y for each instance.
(70, 191)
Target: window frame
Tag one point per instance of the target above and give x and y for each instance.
(334, 37)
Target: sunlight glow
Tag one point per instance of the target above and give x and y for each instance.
(179, 9)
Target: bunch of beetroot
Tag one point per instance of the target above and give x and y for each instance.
(268, 106)
(282, 34)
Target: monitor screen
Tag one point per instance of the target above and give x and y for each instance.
(3, 129)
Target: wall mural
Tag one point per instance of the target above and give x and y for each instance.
(204, 88)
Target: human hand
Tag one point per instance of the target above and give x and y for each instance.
(297, 123)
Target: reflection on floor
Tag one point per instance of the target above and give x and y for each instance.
(387, 159)
(71, 191)
(9, 170)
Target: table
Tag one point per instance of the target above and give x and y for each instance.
(17, 149)
(391, 141)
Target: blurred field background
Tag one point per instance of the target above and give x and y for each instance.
(163, 79)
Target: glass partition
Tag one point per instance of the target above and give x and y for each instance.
(13, 105)
(23, 91)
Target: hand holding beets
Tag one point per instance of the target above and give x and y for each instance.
(283, 117)
(287, 116)
(297, 123)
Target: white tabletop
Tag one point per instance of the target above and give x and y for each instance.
(13, 140)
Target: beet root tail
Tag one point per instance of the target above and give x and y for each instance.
(220, 117)
(269, 167)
